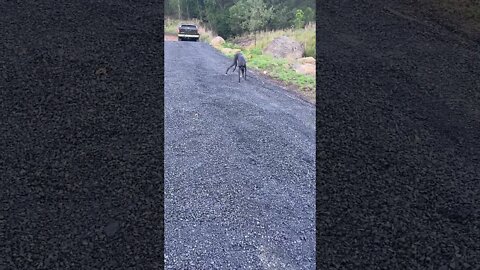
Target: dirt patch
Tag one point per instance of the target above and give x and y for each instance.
(168, 37)
(285, 47)
(244, 42)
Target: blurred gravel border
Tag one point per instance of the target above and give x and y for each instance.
(398, 142)
(81, 135)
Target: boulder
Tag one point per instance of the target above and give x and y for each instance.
(306, 69)
(217, 41)
(285, 47)
(306, 60)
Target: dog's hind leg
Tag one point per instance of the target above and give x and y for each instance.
(234, 64)
(245, 72)
(235, 59)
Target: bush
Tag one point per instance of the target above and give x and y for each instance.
(299, 21)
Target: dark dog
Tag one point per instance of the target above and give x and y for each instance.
(239, 60)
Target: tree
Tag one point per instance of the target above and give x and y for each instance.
(280, 19)
(309, 14)
(179, 10)
(238, 13)
(250, 15)
(188, 12)
(299, 21)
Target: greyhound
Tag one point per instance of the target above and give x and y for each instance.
(239, 60)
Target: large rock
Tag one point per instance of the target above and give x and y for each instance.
(285, 47)
(217, 41)
(306, 69)
(306, 60)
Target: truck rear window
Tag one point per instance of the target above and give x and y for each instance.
(189, 26)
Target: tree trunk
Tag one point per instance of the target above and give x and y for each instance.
(198, 11)
(179, 10)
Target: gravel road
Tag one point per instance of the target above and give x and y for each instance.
(81, 135)
(398, 141)
(239, 167)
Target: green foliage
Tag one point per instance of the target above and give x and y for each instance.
(230, 18)
(309, 14)
(238, 13)
(256, 51)
(217, 18)
(280, 19)
(299, 21)
(259, 15)
(249, 15)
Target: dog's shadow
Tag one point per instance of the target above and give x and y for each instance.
(224, 76)
(229, 76)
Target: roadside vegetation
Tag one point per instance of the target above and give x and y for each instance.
(170, 26)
